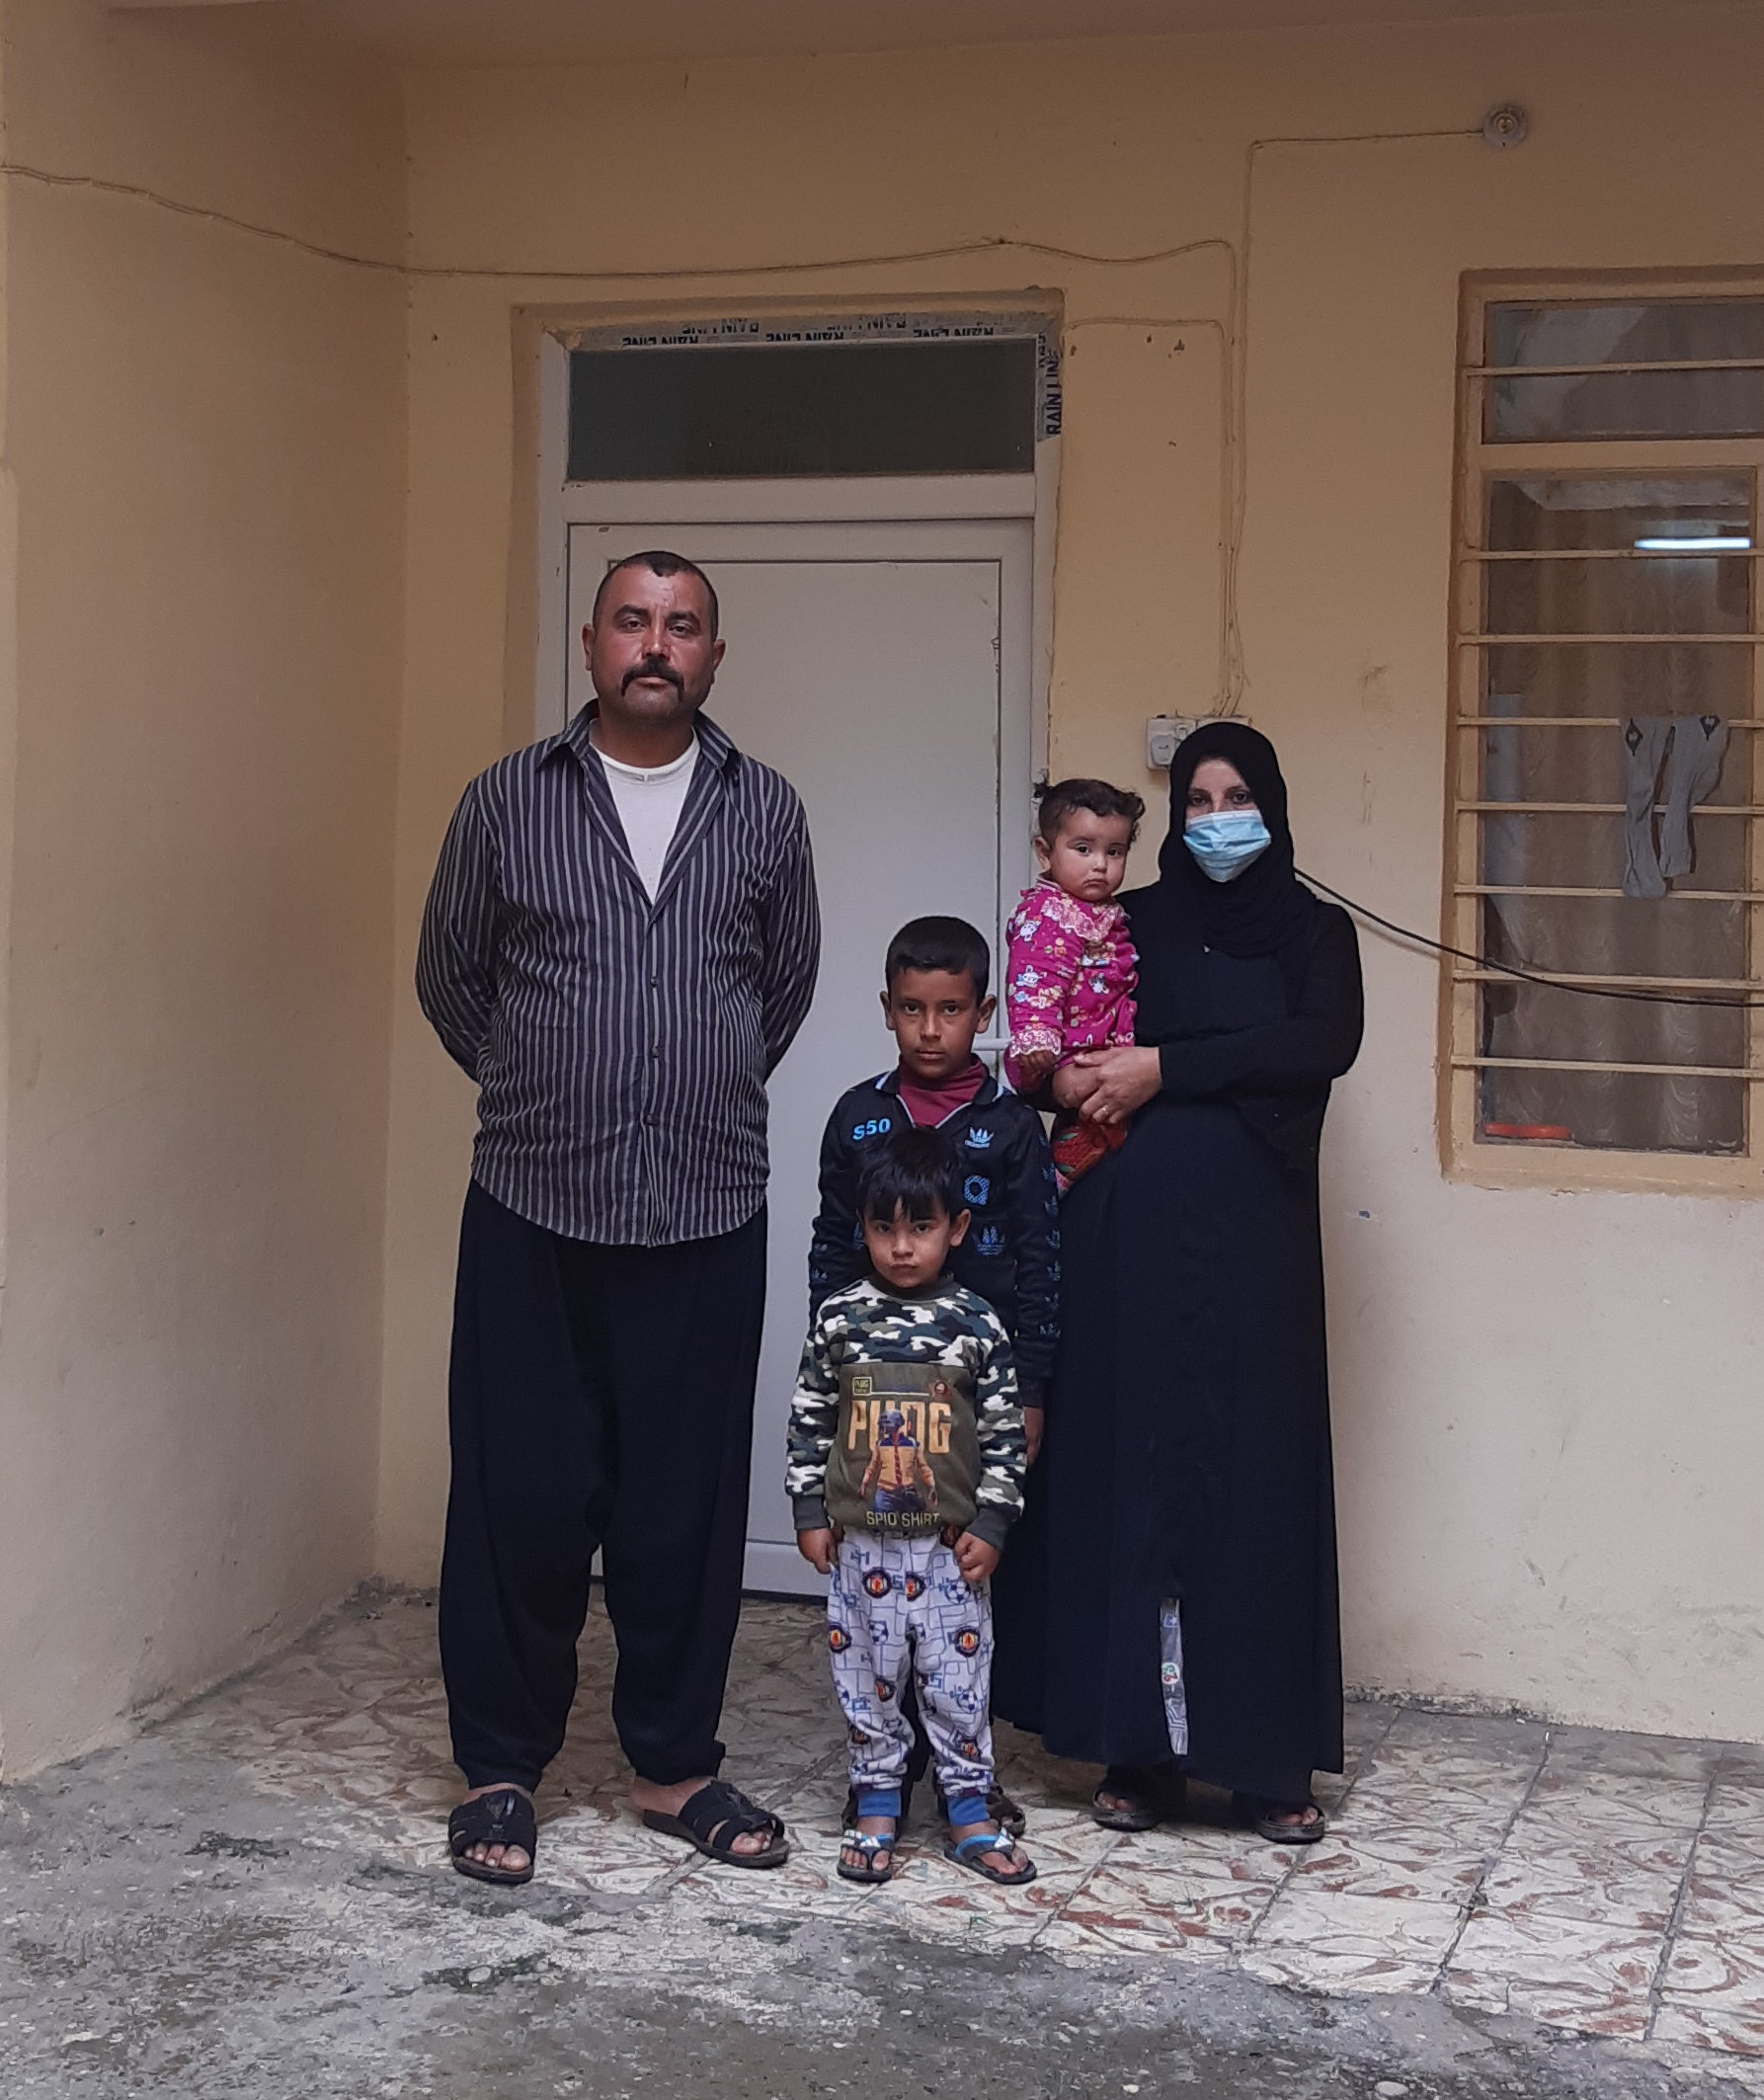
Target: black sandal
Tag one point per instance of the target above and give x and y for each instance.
(504, 1817)
(1262, 1815)
(1157, 1795)
(869, 1843)
(979, 1853)
(714, 1817)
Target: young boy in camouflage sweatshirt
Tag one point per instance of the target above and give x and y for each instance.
(906, 1471)
(936, 1002)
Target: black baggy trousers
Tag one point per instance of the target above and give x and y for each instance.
(599, 1398)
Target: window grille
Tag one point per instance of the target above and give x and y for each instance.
(1607, 587)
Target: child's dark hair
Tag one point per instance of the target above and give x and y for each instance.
(915, 1170)
(1059, 799)
(938, 944)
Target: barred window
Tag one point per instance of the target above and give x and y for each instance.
(1605, 745)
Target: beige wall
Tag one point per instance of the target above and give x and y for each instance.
(258, 647)
(205, 436)
(1546, 1407)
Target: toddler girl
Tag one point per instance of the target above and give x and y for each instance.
(1070, 982)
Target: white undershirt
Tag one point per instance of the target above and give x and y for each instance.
(648, 800)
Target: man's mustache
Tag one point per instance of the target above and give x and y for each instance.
(654, 666)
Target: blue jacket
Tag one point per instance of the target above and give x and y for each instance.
(1011, 1257)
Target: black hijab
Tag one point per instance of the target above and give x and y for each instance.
(1265, 910)
(1264, 914)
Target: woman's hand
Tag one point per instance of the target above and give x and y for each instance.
(1125, 1078)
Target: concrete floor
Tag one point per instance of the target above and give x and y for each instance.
(251, 1899)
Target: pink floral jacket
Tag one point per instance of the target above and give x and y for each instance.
(1069, 981)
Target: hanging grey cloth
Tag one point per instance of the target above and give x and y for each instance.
(1699, 744)
(1645, 738)
(1175, 1684)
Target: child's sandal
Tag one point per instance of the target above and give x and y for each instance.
(979, 1854)
(869, 1843)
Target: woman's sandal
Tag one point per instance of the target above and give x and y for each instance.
(1154, 1797)
(714, 1817)
(504, 1817)
(869, 1843)
(1263, 1817)
(979, 1855)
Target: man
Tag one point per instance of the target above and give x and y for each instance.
(619, 945)
(898, 1480)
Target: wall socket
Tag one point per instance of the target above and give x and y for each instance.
(1164, 732)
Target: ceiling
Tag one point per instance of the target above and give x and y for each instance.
(477, 32)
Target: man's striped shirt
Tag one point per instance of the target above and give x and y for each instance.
(620, 1046)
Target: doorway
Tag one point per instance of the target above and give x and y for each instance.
(883, 667)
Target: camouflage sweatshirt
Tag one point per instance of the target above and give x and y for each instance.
(904, 1421)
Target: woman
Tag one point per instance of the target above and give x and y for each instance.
(1186, 1455)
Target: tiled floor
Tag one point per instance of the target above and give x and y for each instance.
(1612, 1885)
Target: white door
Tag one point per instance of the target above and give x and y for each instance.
(884, 669)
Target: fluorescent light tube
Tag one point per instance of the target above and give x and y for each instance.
(1708, 543)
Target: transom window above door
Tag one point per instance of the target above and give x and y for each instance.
(781, 410)
(1605, 828)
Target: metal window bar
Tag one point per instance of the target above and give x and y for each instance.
(1752, 1074)
(1747, 638)
(1597, 808)
(1687, 552)
(1649, 984)
(1528, 889)
(1578, 721)
(1584, 371)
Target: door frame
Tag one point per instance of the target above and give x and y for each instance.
(869, 499)
(940, 503)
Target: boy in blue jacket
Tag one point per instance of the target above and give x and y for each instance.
(936, 1001)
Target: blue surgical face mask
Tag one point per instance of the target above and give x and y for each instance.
(1226, 845)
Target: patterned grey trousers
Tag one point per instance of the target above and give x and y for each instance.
(899, 1604)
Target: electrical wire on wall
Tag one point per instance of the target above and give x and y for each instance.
(540, 273)
(1530, 977)
(1226, 592)
(1503, 126)
(1234, 670)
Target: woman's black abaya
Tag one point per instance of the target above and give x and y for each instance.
(1187, 1433)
